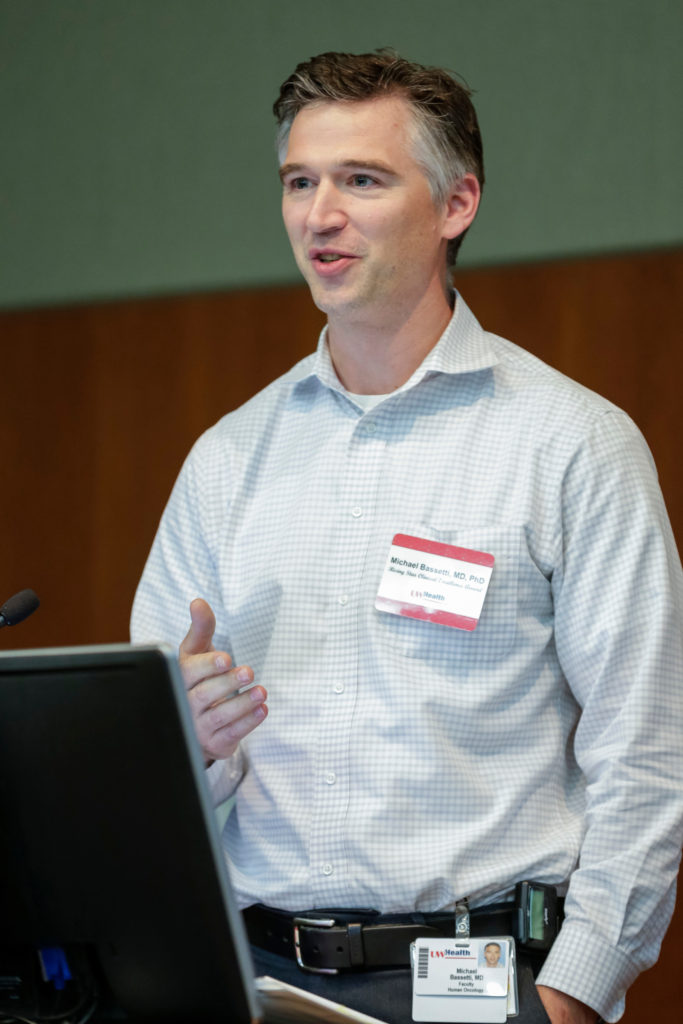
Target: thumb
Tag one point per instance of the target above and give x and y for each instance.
(200, 634)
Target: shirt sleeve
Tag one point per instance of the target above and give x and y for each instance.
(618, 621)
(181, 567)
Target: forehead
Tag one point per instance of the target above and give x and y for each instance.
(382, 128)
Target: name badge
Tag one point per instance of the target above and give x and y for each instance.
(425, 579)
(455, 980)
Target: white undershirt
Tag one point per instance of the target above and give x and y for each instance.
(367, 402)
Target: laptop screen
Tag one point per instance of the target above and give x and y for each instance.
(110, 848)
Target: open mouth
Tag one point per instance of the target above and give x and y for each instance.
(329, 255)
(329, 263)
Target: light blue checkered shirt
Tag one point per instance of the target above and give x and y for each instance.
(406, 764)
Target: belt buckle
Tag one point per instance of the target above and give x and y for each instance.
(311, 922)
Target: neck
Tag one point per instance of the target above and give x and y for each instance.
(376, 356)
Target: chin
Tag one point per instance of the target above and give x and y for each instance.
(330, 303)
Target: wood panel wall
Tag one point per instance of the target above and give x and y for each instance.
(99, 405)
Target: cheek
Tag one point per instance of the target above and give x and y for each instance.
(293, 219)
(418, 237)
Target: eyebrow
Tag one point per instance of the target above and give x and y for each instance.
(361, 165)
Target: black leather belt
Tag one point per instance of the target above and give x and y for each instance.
(336, 940)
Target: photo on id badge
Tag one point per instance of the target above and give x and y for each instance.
(492, 955)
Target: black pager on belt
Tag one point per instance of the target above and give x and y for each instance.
(537, 915)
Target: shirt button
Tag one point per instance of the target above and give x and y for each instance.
(327, 869)
(344, 599)
(356, 512)
(338, 687)
(330, 778)
(370, 428)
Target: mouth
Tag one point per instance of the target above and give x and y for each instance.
(330, 261)
(329, 255)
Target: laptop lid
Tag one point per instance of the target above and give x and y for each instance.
(109, 837)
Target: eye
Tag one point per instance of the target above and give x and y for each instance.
(298, 184)
(363, 180)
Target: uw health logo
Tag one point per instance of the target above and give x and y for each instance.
(449, 952)
(426, 595)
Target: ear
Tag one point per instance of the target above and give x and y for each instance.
(461, 206)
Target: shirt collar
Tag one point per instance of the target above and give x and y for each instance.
(464, 347)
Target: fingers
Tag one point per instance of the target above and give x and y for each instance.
(222, 723)
(200, 634)
(220, 727)
(196, 668)
(221, 716)
(197, 658)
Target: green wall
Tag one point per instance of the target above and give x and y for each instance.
(137, 153)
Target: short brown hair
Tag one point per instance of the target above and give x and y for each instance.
(447, 138)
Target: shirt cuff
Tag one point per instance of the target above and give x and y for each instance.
(582, 964)
(225, 776)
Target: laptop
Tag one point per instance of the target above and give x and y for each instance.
(113, 882)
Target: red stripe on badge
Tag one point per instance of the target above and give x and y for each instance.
(417, 611)
(435, 547)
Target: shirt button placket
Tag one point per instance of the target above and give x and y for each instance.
(359, 483)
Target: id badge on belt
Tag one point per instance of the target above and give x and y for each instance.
(464, 980)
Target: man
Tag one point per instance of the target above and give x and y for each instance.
(403, 764)
(492, 954)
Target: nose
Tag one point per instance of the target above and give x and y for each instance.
(326, 211)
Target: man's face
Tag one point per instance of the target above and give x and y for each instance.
(357, 207)
(492, 954)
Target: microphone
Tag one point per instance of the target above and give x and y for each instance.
(18, 608)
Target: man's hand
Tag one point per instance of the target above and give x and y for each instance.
(564, 1009)
(220, 719)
